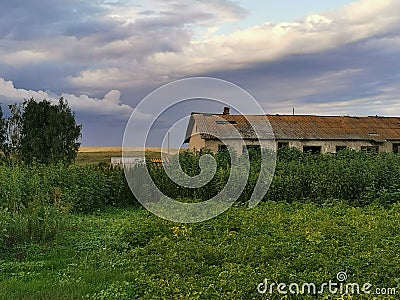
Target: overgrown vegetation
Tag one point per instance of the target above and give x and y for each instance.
(358, 178)
(38, 194)
(35, 199)
(323, 214)
(132, 254)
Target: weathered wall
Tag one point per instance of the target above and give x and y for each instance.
(238, 145)
(326, 146)
(330, 146)
(196, 142)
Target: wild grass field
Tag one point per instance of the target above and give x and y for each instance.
(78, 233)
(131, 254)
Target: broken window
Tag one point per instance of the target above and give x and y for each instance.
(222, 148)
(339, 148)
(254, 151)
(283, 144)
(370, 149)
(396, 148)
(312, 149)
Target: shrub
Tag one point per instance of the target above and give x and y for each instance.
(358, 178)
(37, 222)
(35, 198)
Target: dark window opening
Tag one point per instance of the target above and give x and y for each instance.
(370, 149)
(254, 151)
(340, 148)
(222, 148)
(283, 144)
(396, 148)
(312, 149)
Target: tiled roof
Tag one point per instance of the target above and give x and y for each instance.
(296, 127)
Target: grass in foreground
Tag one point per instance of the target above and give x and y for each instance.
(131, 254)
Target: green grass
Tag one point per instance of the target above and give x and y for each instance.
(132, 254)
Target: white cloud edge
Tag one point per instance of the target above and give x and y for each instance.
(109, 105)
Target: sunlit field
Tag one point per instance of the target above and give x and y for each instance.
(95, 155)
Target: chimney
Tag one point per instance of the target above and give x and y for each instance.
(226, 110)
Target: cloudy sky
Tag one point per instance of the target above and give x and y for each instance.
(321, 57)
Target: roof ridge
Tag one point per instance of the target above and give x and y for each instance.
(297, 115)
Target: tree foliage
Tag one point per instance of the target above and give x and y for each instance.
(49, 132)
(12, 128)
(40, 131)
(3, 135)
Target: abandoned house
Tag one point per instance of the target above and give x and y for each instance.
(316, 134)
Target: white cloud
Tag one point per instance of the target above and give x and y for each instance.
(362, 11)
(125, 46)
(23, 57)
(267, 42)
(113, 96)
(109, 105)
(317, 22)
(9, 92)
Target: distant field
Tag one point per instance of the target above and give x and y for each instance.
(85, 149)
(95, 154)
